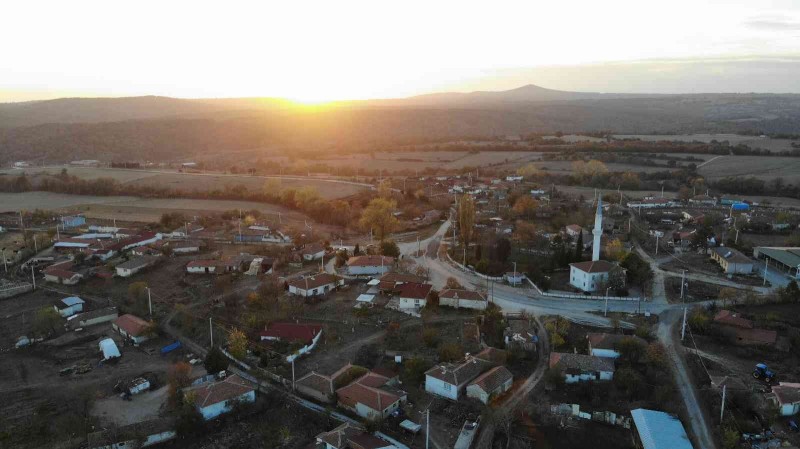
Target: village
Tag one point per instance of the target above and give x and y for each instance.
(495, 312)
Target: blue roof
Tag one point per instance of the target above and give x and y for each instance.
(72, 300)
(659, 430)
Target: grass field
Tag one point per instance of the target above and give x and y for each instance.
(765, 143)
(766, 168)
(197, 181)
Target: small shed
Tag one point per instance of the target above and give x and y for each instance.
(69, 306)
(109, 349)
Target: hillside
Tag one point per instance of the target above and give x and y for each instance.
(160, 128)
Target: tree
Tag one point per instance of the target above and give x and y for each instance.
(503, 249)
(430, 337)
(415, 368)
(389, 248)
(46, 321)
(379, 217)
(528, 170)
(631, 350)
(790, 293)
(237, 344)
(452, 283)
(656, 355)
(215, 361)
(179, 376)
(558, 329)
(727, 294)
(525, 206)
(684, 193)
(450, 352)
(615, 250)
(466, 218)
(579, 247)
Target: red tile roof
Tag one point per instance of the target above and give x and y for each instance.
(492, 380)
(732, 319)
(594, 266)
(374, 398)
(304, 332)
(401, 278)
(202, 263)
(414, 290)
(370, 261)
(215, 392)
(131, 324)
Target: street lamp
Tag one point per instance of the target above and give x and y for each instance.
(5, 262)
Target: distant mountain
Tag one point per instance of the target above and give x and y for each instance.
(162, 128)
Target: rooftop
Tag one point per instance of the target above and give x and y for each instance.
(461, 294)
(132, 324)
(137, 262)
(317, 280)
(304, 332)
(731, 254)
(212, 393)
(414, 290)
(370, 261)
(789, 256)
(659, 430)
(732, 319)
(580, 362)
(787, 393)
(594, 266)
(601, 340)
(493, 379)
(458, 374)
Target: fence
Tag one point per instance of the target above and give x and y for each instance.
(571, 296)
(13, 289)
(470, 270)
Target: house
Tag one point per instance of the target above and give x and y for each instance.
(466, 299)
(514, 178)
(728, 318)
(370, 397)
(185, 230)
(61, 273)
(581, 368)
(312, 251)
(318, 284)
(573, 230)
(350, 436)
(703, 201)
(72, 243)
(320, 386)
(186, 246)
(132, 327)
(731, 260)
(450, 380)
(589, 275)
(521, 333)
(69, 306)
(514, 277)
(140, 434)
(490, 384)
(134, 265)
(413, 295)
(307, 334)
(93, 317)
(786, 396)
(659, 430)
(369, 265)
(203, 266)
(607, 345)
(72, 221)
(653, 203)
(142, 239)
(216, 398)
(390, 282)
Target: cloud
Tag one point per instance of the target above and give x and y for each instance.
(774, 24)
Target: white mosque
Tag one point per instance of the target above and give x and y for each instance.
(590, 275)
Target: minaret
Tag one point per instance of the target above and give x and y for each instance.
(598, 228)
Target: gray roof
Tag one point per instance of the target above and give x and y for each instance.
(458, 374)
(137, 262)
(731, 255)
(580, 362)
(659, 430)
(785, 255)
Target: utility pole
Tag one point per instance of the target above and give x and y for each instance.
(766, 264)
(419, 248)
(683, 282)
(211, 331)
(292, 373)
(33, 276)
(5, 262)
(428, 428)
(149, 302)
(722, 408)
(605, 312)
(683, 326)
(657, 243)
(36, 245)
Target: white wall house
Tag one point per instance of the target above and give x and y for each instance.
(309, 334)
(413, 296)
(368, 402)
(450, 380)
(135, 265)
(201, 266)
(787, 397)
(589, 275)
(369, 265)
(318, 284)
(582, 368)
(216, 398)
(462, 299)
(490, 384)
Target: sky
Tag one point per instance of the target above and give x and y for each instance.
(329, 50)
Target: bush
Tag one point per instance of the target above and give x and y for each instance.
(430, 336)
(415, 368)
(215, 361)
(450, 352)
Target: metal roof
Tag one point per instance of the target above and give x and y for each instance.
(71, 301)
(785, 255)
(660, 430)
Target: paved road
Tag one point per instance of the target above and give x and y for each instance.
(517, 299)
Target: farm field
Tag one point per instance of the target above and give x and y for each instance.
(197, 181)
(421, 160)
(765, 143)
(766, 168)
(565, 167)
(630, 195)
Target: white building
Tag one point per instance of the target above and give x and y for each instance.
(582, 368)
(109, 349)
(203, 266)
(132, 327)
(369, 265)
(318, 284)
(450, 380)
(490, 384)
(216, 398)
(786, 397)
(465, 299)
(653, 203)
(350, 436)
(731, 260)
(69, 306)
(659, 430)
(589, 275)
(134, 265)
(413, 296)
(313, 251)
(306, 333)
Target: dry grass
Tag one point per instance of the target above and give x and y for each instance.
(734, 139)
(761, 167)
